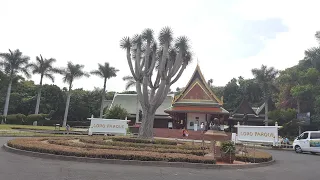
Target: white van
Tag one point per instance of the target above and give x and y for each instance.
(308, 141)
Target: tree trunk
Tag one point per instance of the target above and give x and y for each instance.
(146, 128)
(299, 109)
(38, 97)
(298, 105)
(67, 109)
(102, 97)
(6, 105)
(266, 108)
(137, 109)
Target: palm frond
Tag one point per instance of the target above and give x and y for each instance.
(130, 81)
(125, 43)
(147, 35)
(165, 36)
(50, 76)
(182, 43)
(130, 84)
(97, 73)
(105, 71)
(128, 78)
(25, 72)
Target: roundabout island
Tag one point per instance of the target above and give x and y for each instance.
(133, 151)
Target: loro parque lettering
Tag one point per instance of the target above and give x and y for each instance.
(263, 134)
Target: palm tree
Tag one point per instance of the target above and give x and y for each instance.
(210, 81)
(106, 72)
(45, 69)
(265, 77)
(14, 62)
(131, 82)
(72, 72)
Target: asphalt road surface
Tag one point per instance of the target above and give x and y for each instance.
(289, 166)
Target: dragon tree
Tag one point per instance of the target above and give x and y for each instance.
(155, 66)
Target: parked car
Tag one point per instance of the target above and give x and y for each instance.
(308, 141)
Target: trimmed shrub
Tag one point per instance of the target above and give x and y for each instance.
(36, 145)
(71, 123)
(144, 141)
(254, 156)
(251, 159)
(116, 112)
(140, 145)
(35, 117)
(16, 119)
(228, 147)
(96, 146)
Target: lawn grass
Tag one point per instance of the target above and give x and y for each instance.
(33, 134)
(11, 126)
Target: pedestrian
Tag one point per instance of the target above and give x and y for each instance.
(211, 125)
(183, 133)
(68, 128)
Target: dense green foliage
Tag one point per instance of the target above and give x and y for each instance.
(116, 112)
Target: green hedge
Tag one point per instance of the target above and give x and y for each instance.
(144, 141)
(139, 145)
(40, 118)
(16, 119)
(252, 160)
(71, 123)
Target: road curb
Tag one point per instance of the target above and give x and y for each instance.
(134, 162)
(270, 148)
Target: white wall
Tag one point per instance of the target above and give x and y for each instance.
(191, 117)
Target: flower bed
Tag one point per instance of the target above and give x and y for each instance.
(144, 141)
(139, 145)
(97, 146)
(46, 145)
(254, 157)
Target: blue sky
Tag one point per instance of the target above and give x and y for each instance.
(228, 37)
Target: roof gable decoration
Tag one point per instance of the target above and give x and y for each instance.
(198, 79)
(244, 108)
(197, 92)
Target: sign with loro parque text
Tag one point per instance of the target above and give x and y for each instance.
(268, 134)
(108, 126)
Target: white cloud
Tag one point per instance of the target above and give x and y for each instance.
(88, 32)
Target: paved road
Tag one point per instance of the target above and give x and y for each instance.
(289, 166)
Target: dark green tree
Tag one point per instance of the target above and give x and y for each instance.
(266, 77)
(43, 67)
(14, 63)
(106, 72)
(71, 73)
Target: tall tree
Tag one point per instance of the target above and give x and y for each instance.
(168, 61)
(131, 82)
(210, 81)
(45, 68)
(71, 73)
(313, 54)
(106, 72)
(266, 78)
(14, 62)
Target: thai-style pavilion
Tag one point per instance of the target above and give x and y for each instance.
(196, 104)
(247, 115)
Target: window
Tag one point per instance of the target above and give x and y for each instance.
(315, 135)
(191, 123)
(304, 136)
